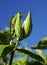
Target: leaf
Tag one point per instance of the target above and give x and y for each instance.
(33, 63)
(42, 44)
(26, 63)
(7, 50)
(46, 59)
(2, 47)
(43, 55)
(31, 54)
(4, 38)
(39, 47)
(43, 41)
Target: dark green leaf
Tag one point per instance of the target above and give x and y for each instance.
(39, 47)
(33, 63)
(2, 36)
(7, 50)
(43, 41)
(31, 54)
(2, 47)
(4, 40)
(42, 44)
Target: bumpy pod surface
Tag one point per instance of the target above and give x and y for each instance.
(27, 25)
(12, 25)
(18, 26)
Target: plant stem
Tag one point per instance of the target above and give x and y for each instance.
(11, 58)
(12, 53)
(16, 44)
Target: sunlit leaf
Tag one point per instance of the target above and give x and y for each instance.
(43, 55)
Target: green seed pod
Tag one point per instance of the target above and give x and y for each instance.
(18, 27)
(12, 26)
(27, 25)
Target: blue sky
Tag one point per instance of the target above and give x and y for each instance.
(38, 9)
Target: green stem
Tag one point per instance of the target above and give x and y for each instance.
(12, 53)
(16, 44)
(11, 58)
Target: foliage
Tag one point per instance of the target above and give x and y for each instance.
(42, 44)
(9, 42)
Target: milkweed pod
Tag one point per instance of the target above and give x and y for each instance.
(27, 25)
(12, 26)
(18, 26)
(13, 20)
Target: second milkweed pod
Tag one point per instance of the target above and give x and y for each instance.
(27, 25)
(18, 27)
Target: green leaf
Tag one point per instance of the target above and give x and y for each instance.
(2, 36)
(4, 40)
(39, 47)
(42, 44)
(46, 59)
(43, 55)
(43, 41)
(7, 50)
(33, 63)
(2, 47)
(31, 54)
(40, 53)
(26, 63)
